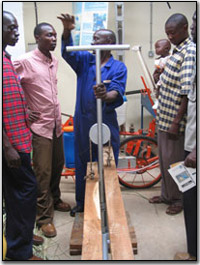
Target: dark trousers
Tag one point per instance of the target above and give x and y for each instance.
(170, 151)
(20, 193)
(190, 216)
(48, 162)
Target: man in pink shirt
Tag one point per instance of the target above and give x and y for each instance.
(37, 70)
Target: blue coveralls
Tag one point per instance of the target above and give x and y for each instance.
(83, 63)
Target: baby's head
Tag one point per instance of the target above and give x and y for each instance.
(162, 47)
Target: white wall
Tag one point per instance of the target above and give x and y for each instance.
(137, 31)
(16, 8)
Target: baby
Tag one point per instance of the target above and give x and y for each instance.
(162, 48)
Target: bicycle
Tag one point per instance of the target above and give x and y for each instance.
(140, 149)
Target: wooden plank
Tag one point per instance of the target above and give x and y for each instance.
(92, 237)
(120, 242)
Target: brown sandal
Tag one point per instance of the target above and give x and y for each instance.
(156, 199)
(174, 209)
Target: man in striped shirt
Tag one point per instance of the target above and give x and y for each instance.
(171, 117)
(19, 182)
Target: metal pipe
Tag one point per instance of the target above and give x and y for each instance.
(151, 26)
(105, 246)
(36, 13)
(99, 126)
(99, 118)
(145, 69)
(98, 47)
(100, 161)
(132, 92)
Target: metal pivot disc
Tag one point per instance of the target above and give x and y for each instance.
(93, 134)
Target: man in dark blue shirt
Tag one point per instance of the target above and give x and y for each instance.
(111, 91)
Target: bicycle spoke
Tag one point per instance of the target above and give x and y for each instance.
(146, 173)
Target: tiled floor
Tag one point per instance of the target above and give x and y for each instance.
(159, 235)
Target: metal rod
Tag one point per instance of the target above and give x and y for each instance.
(36, 13)
(97, 47)
(100, 157)
(105, 246)
(145, 69)
(151, 26)
(168, 5)
(99, 117)
(132, 92)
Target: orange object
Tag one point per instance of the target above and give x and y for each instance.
(68, 128)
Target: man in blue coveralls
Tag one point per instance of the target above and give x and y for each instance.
(114, 75)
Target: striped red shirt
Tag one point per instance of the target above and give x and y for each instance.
(14, 109)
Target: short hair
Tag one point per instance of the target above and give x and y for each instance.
(38, 28)
(166, 42)
(110, 34)
(6, 14)
(177, 18)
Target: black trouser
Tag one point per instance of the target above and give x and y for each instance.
(190, 215)
(20, 193)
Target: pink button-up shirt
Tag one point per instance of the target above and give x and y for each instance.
(39, 82)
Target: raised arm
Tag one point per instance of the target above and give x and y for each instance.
(68, 24)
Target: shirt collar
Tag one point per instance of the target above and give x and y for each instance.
(179, 47)
(108, 63)
(6, 54)
(39, 54)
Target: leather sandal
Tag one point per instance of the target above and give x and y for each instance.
(156, 199)
(174, 209)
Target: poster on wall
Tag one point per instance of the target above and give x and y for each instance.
(89, 17)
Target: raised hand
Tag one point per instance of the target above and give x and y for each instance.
(68, 21)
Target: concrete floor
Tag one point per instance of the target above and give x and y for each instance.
(159, 235)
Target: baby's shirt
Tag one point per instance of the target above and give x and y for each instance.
(161, 62)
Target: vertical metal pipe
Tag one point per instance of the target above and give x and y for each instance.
(99, 115)
(151, 26)
(36, 13)
(100, 160)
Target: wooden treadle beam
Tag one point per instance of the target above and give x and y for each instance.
(92, 237)
(119, 235)
(120, 242)
(76, 239)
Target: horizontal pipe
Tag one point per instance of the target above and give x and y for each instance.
(133, 92)
(104, 47)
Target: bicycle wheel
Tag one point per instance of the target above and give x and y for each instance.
(140, 165)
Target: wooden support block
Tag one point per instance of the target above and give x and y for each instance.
(131, 232)
(76, 239)
(92, 237)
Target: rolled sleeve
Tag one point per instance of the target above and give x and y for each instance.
(118, 84)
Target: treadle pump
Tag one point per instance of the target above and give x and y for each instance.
(100, 134)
